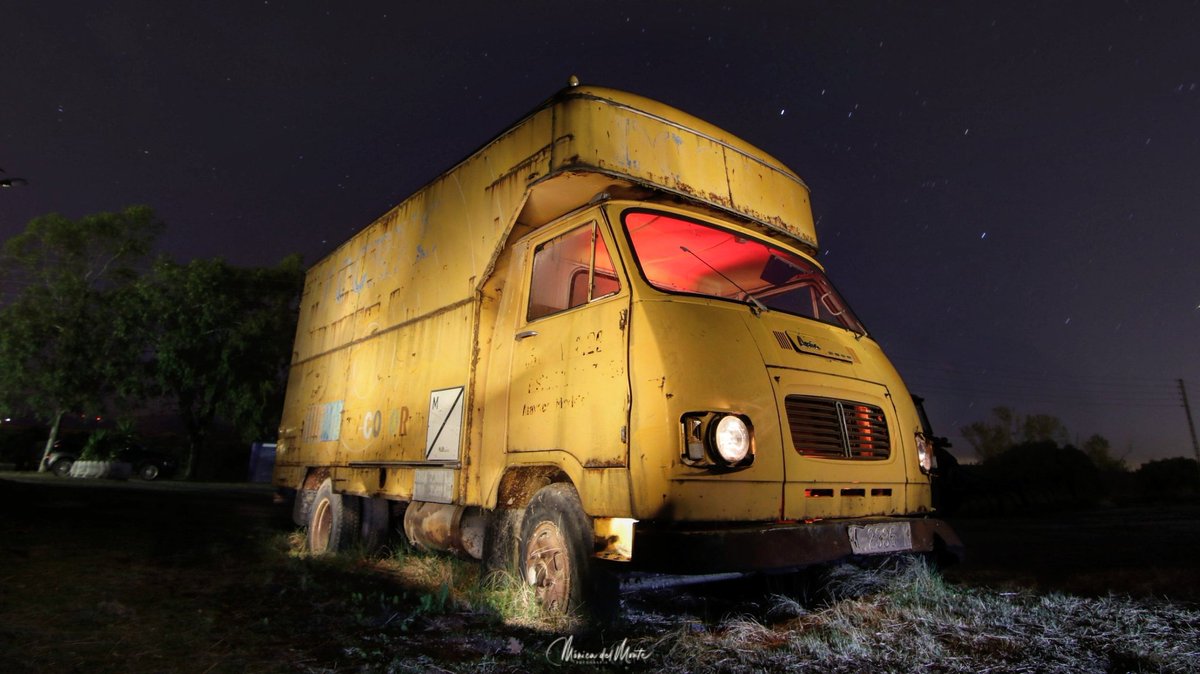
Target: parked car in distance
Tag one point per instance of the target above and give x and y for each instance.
(148, 464)
(59, 462)
(64, 455)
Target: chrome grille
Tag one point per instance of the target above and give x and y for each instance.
(837, 429)
(816, 426)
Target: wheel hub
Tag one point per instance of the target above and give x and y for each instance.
(548, 567)
(322, 527)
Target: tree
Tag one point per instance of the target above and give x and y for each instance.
(1099, 451)
(1042, 471)
(219, 341)
(992, 439)
(1008, 428)
(1044, 428)
(59, 347)
(1168, 479)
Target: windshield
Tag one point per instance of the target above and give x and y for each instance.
(684, 256)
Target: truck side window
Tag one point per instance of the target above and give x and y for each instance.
(571, 270)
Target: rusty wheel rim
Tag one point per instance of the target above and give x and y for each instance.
(548, 567)
(322, 526)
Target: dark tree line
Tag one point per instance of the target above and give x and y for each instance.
(93, 325)
(1028, 463)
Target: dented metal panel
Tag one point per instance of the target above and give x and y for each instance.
(657, 145)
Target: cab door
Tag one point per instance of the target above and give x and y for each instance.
(569, 381)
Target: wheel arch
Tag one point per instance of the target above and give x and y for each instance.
(306, 492)
(513, 492)
(518, 484)
(603, 490)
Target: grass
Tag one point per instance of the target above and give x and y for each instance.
(220, 585)
(904, 617)
(896, 616)
(444, 584)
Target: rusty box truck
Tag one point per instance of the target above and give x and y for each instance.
(604, 335)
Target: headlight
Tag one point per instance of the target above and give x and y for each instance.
(924, 453)
(730, 438)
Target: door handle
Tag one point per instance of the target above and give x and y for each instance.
(526, 333)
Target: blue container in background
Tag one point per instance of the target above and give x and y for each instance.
(262, 461)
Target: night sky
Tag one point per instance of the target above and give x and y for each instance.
(1008, 193)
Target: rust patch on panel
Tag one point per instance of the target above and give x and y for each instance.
(519, 485)
(605, 463)
(315, 477)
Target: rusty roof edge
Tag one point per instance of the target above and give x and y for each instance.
(629, 101)
(724, 138)
(774, 224)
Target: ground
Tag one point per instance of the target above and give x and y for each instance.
(1144, 551)
(103, 576)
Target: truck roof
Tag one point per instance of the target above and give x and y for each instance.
(629, 136)
(674, 117)
(438, 247)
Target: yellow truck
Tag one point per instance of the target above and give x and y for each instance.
(603, 339)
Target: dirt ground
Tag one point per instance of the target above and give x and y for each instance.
(102, 576)
(1141, 551)
(93, 573)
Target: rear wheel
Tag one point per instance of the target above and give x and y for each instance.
(149, 472)
(333, 522)
(375, 514)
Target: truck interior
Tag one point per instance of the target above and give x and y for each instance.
(685, 256)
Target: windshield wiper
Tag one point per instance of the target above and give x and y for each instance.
(761, 307)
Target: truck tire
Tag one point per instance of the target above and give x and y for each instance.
(502, 541)
(376, 521)
(302, 506)
(333, 521)
(556, 551)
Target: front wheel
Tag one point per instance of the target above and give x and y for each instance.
(556, 549)
(62, 467)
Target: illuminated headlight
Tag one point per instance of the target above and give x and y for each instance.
(730, 439)
(925, 453)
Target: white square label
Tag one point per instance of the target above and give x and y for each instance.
(445, 425)
(435, 485)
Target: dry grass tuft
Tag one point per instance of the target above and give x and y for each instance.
(902, 616)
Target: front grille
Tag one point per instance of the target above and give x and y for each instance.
(817, 428)
(837, 429)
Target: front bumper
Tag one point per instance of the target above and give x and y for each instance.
(725, 547)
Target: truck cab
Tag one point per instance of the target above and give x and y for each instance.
(714, 362)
